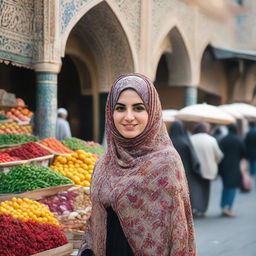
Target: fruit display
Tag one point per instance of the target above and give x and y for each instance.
(4, 158)
(76, 144)
(25, 238)
(77, 166)
(29, 150)
(13, 127)
(26, 209)
(10, 139)
(56, 145)
(30, 177)
(19, 114)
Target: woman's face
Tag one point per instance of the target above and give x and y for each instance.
(130, 114)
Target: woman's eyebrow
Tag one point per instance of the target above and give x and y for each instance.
(138, 104)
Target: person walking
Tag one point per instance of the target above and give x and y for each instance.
(62, 126)
(250, 146)
(139, 193)
(229, 168)
(182, 143)
(209, 155)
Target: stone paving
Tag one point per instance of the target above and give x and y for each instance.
(225, 236)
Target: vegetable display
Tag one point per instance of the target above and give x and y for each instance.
(26, 209)
(4, 157)
(28, 151)
(56, 145)
(30, 177)
(8, 139)
(24, 238)
(78, 167)
(76, 144)
(61, 202)
(72, 208)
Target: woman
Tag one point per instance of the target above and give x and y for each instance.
(229, 168)
(140, 201)
(183, 145)
(209, 155)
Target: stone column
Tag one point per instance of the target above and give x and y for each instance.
(46, 99)
(190, 95)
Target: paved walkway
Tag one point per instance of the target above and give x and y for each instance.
(223, 236)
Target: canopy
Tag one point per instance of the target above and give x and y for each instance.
(169, 115)
(205, 113)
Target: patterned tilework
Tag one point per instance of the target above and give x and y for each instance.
(46, 108)
(68, 9)
(16, 31)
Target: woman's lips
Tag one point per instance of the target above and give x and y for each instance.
(129, 127)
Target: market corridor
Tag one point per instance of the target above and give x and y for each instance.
(223, 236)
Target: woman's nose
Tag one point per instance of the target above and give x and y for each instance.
(129, 115)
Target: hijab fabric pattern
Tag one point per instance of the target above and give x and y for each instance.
(143, 180)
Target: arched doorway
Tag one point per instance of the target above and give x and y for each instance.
(213, 83)
(99, 51)
(173, 71)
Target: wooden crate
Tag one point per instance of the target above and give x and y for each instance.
(75, 238)
(64, 250)
(37, 194)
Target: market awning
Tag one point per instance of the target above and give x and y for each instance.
(222, 53)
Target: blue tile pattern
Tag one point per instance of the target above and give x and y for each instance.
(46, 108)
(68, 9)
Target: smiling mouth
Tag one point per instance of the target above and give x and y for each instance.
(129, 126)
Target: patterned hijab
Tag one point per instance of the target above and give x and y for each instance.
(124, 152)
(143, 180)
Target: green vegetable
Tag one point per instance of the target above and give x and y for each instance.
(30, 177)
(9, 139)
(3, 117)
(75, 144)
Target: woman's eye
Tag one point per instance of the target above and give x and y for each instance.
(119, 108)
(139, 108)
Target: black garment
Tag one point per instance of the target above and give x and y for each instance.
(117, 244)
(250, 144)
(198, 187)
(183, 145)
(229, 168)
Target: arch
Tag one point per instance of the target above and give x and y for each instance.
(84, 10)
(213, 82)
(177, 56)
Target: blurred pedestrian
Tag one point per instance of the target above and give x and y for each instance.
(209, 155)
(62, 126)
(139, 193)
(250, 146)
(234, 151)
(182, 143)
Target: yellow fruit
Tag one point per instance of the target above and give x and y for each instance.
(88, 177)
(86, 183)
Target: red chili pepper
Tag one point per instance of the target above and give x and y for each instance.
(28, 151)
(23, 238)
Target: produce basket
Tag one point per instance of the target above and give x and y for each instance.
(38, 193)
(53, 151)
(64, 250)
(43, 160)
(6, 167)
(5, 146)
